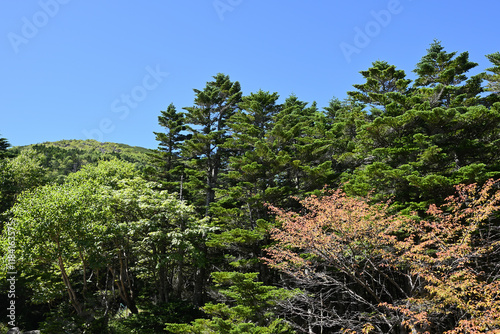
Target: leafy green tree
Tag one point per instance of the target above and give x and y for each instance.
(57, 227)
(106, 229)
(20, 173)
(249, 307)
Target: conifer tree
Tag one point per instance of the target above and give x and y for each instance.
(205, 154)
(493, 79)
(440, 74)
(240, 202)
(167, 156)
(204, 151)
(385, 89)
(4, 145)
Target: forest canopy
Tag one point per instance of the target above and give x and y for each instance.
(378, 213)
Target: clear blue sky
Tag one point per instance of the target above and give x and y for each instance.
(74, 69)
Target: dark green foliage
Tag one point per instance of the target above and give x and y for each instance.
(385, 90)
(440, 76)
(205, 153)
(4, 145)
(441, 134)
(152, 318)
(166, 159)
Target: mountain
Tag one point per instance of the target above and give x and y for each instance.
(65, 156)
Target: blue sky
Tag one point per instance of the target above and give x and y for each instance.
(75, 69)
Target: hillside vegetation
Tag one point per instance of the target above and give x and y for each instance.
(65, 156)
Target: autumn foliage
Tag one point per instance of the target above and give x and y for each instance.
(364, 270)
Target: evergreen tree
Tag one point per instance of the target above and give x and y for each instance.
(493, 79)
(438, 139)
(241, 199)
(385, 89)
(248, 307)
(4, 145)
(440, 75)
(206, 156)
(204, 151)
(167, 157)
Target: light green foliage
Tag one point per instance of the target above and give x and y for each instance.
(68, 156)
(249, 307)
(20, 173)
(104, 218)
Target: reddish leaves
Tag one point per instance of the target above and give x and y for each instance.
(439, 275)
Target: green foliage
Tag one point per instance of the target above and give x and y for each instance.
(20, 173)
(152, 319)
(4, 145)
(166, 159)
(104, 224)
(249, 307)
(67, 156)
(493, 78)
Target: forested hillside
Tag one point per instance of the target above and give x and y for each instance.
(378, 213)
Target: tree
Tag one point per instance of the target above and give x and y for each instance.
(4, 145)
(205, 153)
(248, 307)
(55, 226)
(101, 231)
(385, 90)
(363, 270)
(208, 120)
(342, 253)
(440, 76)
(20, 173)
(493, 78)
(433, 136)
(455, 254)
(167, 156)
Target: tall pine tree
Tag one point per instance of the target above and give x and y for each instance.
(170, 169)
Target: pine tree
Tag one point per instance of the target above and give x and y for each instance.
(241, 199)
(493, 79)
(167, 157)
(385, 89)
(439, 77)
(4, 145)
(204, 151)
(205, 154)
(437, 139)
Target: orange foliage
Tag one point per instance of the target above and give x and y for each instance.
(439, 275)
